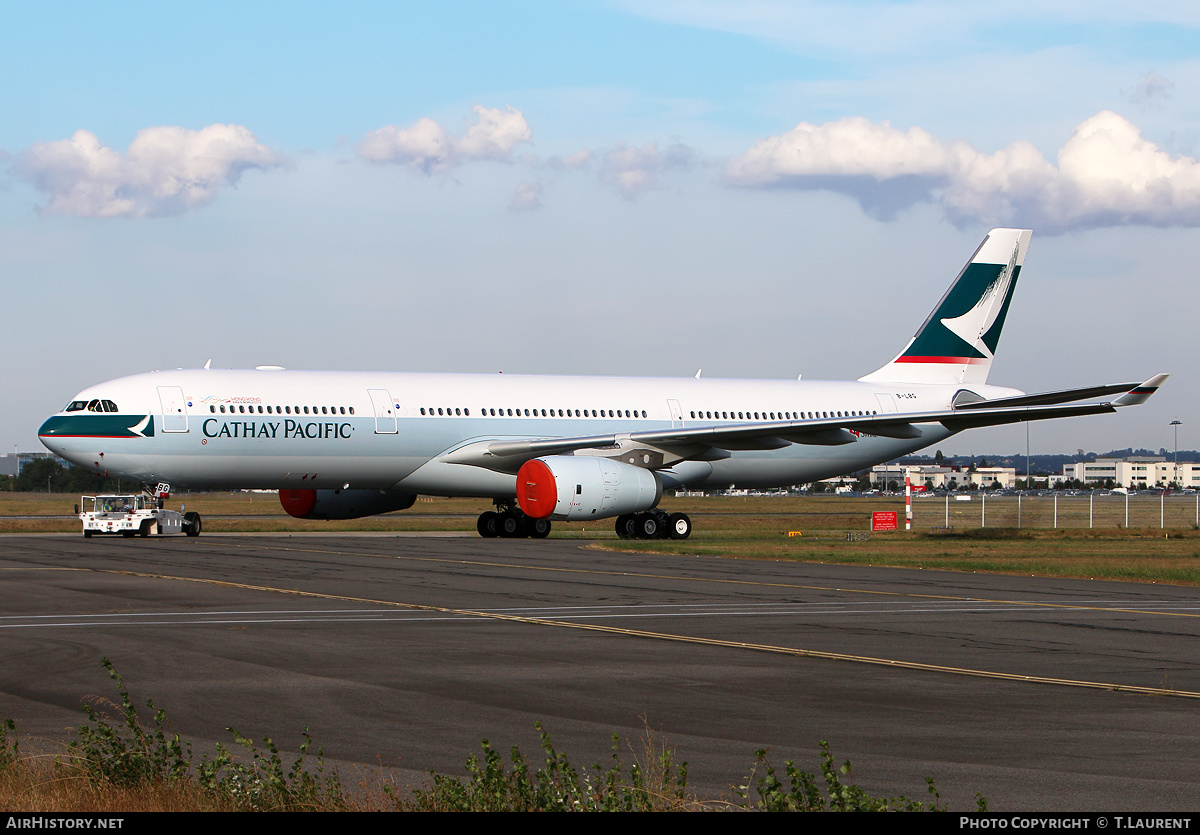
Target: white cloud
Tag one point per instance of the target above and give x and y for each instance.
(634, 170)
(166, 171)
(528, 196)
(425, 145)
(1106, 174)
(579, 159)
(1152, 89)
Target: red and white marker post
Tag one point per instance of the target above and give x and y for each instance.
(907, 501)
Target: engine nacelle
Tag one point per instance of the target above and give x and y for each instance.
(342, 504)
(579, 487)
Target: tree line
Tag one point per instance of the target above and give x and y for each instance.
(42, 475)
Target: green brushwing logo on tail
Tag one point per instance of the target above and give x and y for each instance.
(965, 327)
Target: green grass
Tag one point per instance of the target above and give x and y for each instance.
(1149, 556)
(758, 527)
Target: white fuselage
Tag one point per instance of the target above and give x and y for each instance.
(279, 429)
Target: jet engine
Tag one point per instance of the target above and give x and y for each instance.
(579, 488)
(342, 504)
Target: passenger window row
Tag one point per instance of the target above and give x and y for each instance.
(109, 406)
(612, 413)
(706, 415)
(283, 410)
(444, 411)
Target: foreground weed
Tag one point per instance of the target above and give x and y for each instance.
(127, 754)
(803, 793)
(653, 782)
(123, 764)
(263, 784)
(10, 754)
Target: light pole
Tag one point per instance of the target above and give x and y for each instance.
(1175, 424)
(1026, 455)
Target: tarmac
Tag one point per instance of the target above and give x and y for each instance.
(402, 653)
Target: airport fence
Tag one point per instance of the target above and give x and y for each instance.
(1177, 511)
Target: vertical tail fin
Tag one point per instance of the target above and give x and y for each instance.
(958, 340)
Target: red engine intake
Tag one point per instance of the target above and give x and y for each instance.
(298, 503)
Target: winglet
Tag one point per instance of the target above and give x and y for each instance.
(1141, 393)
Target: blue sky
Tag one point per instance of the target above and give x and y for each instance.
(757, 189)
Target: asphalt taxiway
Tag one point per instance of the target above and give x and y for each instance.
(1041, 694)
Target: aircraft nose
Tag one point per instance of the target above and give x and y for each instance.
(47, 427)
(50, 433)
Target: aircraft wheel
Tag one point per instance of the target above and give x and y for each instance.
(539, 528)
(511, 525)
(488, 524)
(679, 526)
(627, 526)
(648, 526)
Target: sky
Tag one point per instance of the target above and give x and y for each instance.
(755, 189)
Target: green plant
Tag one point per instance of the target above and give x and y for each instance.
(263, 784)
(651, 782)
(127, 754)
(130, 755)
(10, 753)
(804, 793)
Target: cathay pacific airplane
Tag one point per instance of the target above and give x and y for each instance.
(343, 445)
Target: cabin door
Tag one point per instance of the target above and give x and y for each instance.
(887, 404)
(174, 409)
(676, 414)
(385, 411)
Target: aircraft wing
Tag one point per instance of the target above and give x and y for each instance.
(705, 441)
(1128, 390)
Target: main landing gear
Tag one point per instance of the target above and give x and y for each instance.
(508, 521)
(654, 524)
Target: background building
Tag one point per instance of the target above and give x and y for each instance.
(945, 477)
(1134, 472)
(14, 462)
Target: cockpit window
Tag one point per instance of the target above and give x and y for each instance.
(76, 406)
(92, 406)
